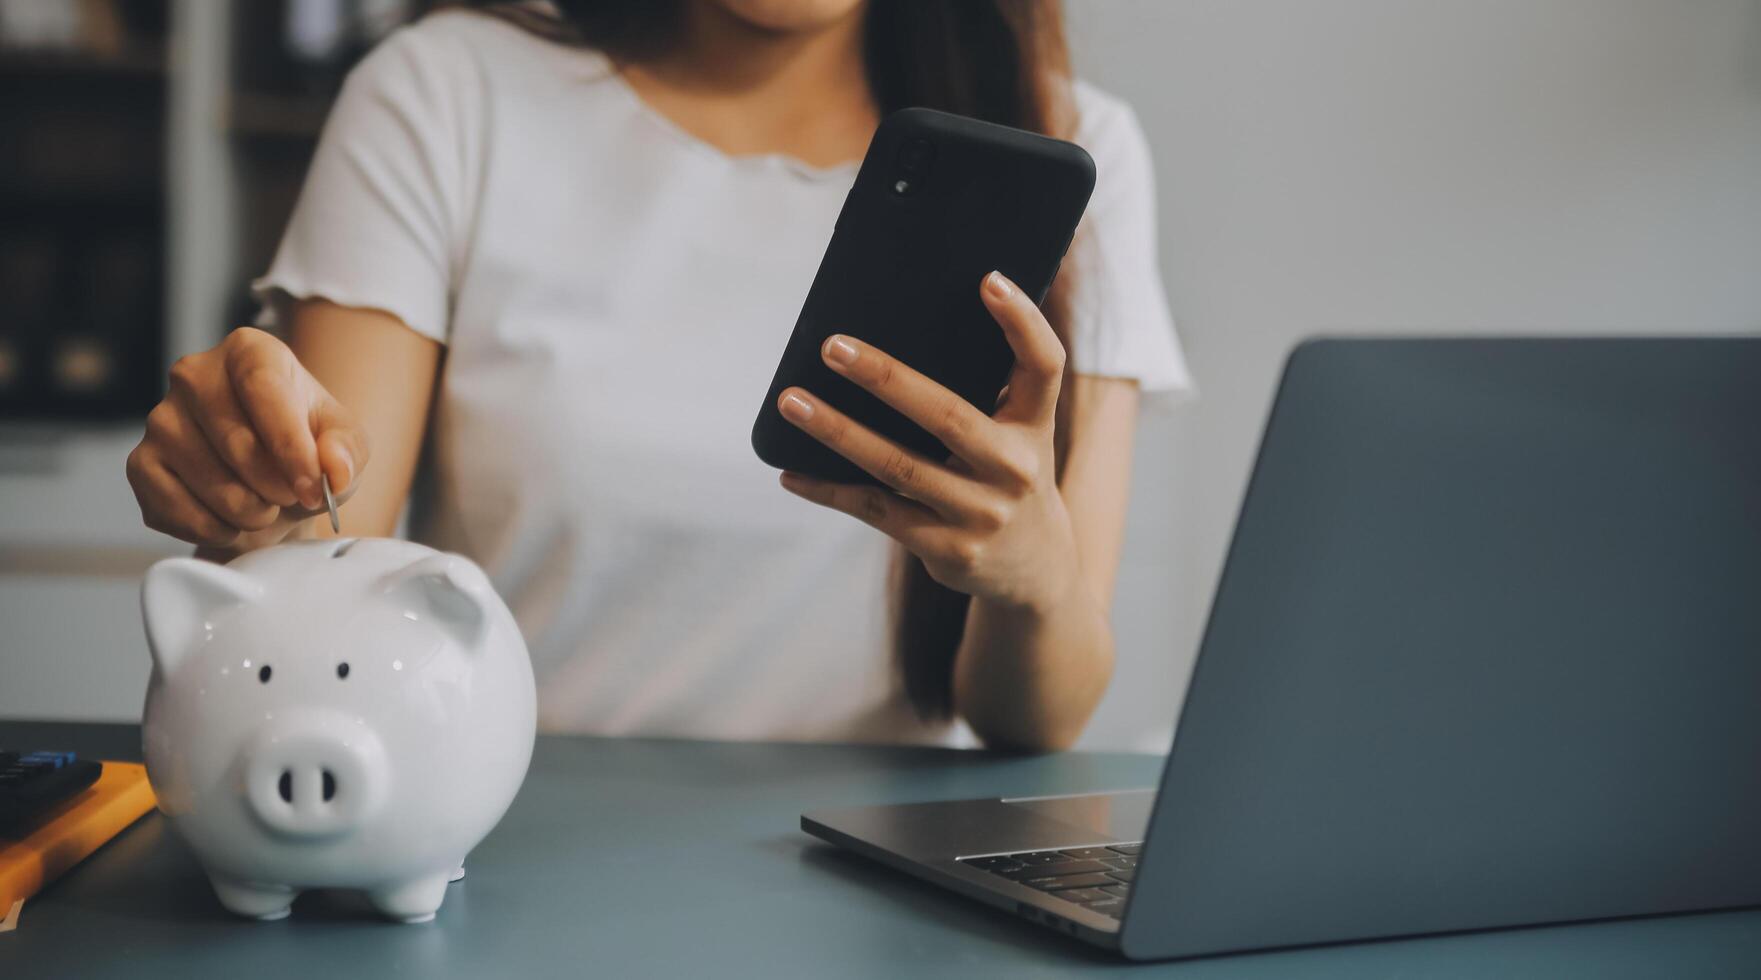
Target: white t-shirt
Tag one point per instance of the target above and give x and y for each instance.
(614, 294)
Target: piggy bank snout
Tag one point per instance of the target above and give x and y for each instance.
(314, 775)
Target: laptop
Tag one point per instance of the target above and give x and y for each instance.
(1486, 652)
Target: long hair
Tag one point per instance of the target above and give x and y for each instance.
(1003, 61)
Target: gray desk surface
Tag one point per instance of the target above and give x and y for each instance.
(683, 859)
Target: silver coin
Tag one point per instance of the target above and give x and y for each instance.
(330, 504)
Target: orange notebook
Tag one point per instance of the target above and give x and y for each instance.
(71, 830)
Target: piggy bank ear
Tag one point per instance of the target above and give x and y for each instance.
(178, 598)
(450, 591)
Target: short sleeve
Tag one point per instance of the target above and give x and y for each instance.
(379, 219)
(1120, 323)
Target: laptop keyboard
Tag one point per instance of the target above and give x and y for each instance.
(1096, 878)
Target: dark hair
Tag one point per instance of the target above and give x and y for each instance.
(1003, 61)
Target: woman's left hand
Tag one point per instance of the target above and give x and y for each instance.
(989, 521)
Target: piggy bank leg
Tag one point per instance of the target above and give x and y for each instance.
(415, 900)
(252, 900)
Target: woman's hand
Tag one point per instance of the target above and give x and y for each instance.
(234, 452)
(988, 522)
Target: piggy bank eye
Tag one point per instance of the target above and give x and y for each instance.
(263, 675)
(342, 671)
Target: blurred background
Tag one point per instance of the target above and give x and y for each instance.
(1363, 166)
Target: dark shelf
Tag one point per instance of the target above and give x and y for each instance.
(280, 117)
(82, 231)
(129, 64)
(130, 204)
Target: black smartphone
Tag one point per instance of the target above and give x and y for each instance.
(940, 200)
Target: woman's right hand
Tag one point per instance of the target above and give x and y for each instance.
(233, 454)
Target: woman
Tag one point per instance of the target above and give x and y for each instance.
(543, 264)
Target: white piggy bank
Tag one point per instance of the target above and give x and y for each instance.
(334, 714)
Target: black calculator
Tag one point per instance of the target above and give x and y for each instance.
(32, 782)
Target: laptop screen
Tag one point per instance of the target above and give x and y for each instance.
(1486, 650)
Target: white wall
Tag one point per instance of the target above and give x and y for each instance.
(1408, 165)
(1584, 166)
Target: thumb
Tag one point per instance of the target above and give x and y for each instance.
(342, 443)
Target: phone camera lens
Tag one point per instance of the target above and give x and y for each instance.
(915, 156)
(912, 164)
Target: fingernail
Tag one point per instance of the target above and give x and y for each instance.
(306, 490)
(797, 408)
(840, 351)
(348, 472)
(1000, 285)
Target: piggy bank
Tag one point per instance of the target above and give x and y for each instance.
(334, 714)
